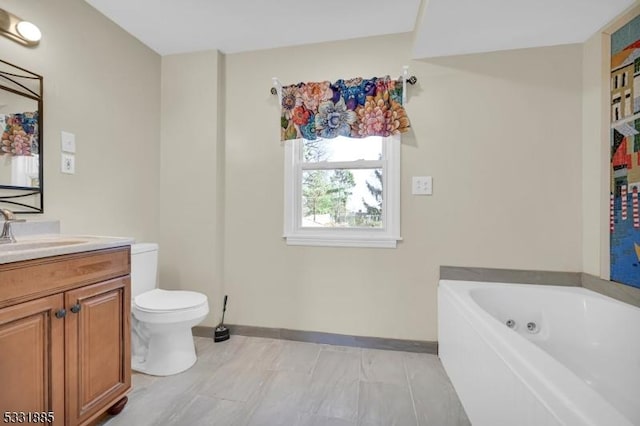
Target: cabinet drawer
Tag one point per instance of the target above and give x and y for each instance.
(30, 279)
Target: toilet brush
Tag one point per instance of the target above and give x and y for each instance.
(222, 333)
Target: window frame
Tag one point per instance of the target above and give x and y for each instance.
(385, 237)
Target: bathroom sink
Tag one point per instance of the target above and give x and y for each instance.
(47, 245)
(39, 244)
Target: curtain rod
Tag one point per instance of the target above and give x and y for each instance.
(411, 80)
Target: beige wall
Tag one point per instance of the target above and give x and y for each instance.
(501, 135)
(191, 176)
(200, 169)
(103, 85)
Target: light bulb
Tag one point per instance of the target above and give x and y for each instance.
(29, 31)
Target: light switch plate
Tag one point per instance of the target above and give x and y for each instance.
(68, 164)
(68, 142)
(422, 185)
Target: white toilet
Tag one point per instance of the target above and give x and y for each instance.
(161, 339)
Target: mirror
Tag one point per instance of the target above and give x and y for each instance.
(20, 139)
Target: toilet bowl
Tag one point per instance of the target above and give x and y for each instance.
(161, 339)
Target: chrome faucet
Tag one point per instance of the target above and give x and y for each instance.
(9, 218)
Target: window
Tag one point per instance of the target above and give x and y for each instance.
(343, 192)
(624, 79)
(24, 170)
(636, 66)
(615, 82)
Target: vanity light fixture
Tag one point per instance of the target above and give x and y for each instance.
(29, 31)
(18, 30)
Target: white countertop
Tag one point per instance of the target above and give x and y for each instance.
(38, 246)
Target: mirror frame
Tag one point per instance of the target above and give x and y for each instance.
(11, 195)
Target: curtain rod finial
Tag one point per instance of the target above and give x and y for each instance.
(276, 85)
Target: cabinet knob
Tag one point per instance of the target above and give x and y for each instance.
(76, 308)
(61, 313)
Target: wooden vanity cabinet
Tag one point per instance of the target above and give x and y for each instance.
(32, 358)
(65, 336)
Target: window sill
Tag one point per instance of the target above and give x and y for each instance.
(342, 242)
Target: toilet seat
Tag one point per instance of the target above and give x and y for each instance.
(169, 306)
(158, 300)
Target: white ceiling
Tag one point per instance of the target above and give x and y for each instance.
(455, 27)
(446, 27)
(177, 26)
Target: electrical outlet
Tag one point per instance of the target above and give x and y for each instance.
(422, 185)
(68, 164)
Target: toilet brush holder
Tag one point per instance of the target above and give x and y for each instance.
(221, 332)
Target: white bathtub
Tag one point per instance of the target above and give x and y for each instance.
(581, 367)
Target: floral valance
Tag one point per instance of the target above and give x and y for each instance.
(355, 108)
(19, 133)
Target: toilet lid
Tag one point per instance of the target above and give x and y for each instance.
(164, 300)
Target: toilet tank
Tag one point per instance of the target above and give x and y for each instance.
(144, 268)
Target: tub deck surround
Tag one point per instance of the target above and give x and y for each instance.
(621, 292)
(579, 367)
(514, 276)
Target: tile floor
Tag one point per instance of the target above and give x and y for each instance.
(257, 381)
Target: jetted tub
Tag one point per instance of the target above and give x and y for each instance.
(568, 356)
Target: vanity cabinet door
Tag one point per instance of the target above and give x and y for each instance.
(97, 332)
(32, 361)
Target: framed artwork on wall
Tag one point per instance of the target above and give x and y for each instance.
(625, 155)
